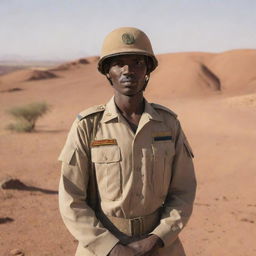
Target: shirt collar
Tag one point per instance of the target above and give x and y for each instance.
(151, 112)
(111, 112)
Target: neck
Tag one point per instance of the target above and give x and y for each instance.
(130, 105)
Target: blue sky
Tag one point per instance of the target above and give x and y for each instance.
(66, 29)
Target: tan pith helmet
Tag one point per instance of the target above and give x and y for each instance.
(123, 41)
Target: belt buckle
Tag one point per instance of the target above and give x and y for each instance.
(136, 226)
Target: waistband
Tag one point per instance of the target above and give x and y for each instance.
(136, 226)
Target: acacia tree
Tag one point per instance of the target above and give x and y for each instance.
(26, 116)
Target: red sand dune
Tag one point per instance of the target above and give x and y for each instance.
(26, 75)
(70, 65)
(214, 96)
(180, 74)
(40, 75)
(195, 74)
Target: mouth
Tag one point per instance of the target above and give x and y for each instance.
(129, 80)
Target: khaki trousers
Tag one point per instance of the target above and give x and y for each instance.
(176, 249)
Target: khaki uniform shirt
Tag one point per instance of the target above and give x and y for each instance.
(136, 175)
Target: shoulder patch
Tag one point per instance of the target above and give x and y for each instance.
(90, 111)
(158, 106)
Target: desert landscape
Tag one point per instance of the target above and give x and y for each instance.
(214, 95)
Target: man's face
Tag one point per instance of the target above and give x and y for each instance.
(127, 74)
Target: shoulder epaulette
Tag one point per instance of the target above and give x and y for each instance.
(154, 105)
(90, 111)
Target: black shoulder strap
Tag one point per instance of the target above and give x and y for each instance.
(92, 191)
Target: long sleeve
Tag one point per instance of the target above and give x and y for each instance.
(181, 194)
(78, 217)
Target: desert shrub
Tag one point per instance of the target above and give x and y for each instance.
(27, 115)
(21, 126)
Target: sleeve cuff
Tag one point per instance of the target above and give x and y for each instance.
(166, 233)
(103, 244)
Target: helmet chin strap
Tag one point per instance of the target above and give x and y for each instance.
(146, 82)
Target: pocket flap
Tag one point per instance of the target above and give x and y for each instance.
(106, 154)
(66, 155)
(188, 148)
(163, 147)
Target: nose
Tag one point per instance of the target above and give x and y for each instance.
(127, 69)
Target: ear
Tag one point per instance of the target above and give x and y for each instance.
(108, 77)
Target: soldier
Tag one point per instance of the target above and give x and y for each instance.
(127, 183)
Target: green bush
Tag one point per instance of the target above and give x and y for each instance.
(27, 115)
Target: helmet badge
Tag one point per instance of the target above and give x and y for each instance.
(128, 38)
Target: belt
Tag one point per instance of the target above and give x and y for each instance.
(136, 226)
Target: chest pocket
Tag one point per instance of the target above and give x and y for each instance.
(108, 171)
(163, 153)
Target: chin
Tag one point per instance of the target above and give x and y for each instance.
(132, 93)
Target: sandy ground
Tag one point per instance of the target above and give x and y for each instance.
(220, 125)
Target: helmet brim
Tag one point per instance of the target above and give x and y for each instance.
(103, 60)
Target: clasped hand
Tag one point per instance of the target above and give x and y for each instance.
(145, 247)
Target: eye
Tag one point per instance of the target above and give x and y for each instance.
(140, 62)
(117, 63)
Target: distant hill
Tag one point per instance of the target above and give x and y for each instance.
(7, 69)
(178, 74)
(198, 73)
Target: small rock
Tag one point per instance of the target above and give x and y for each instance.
(16, 252)
(11, 183)
(83, 61)
(5, 220)
(15, 89)
(247, 220)
(251, 205)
